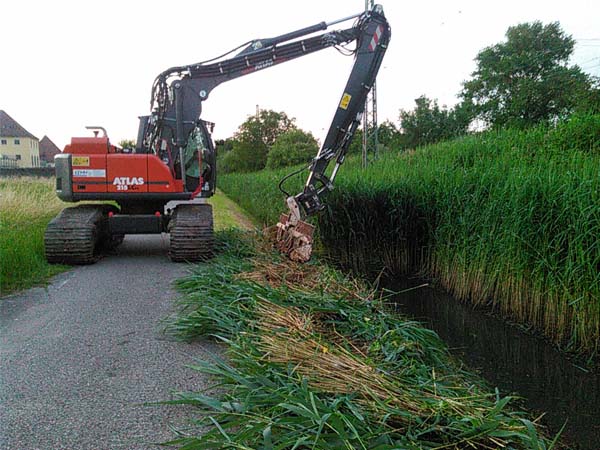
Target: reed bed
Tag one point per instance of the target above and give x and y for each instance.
(314, 368)
(27, 204)
(507, 219)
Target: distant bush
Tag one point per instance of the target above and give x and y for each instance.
(245, 156)
(292, 147)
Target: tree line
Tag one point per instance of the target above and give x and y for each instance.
(518, 83)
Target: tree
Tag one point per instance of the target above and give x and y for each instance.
(254, 138)
(127, 143)
(241, 158)
(388, 135)
(355, 147)
(224, 145)
(526, 80)
(428, 123)
(292, 147)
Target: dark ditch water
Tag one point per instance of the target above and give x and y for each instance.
(513, 361)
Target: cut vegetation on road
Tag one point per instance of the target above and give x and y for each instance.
(315, 360)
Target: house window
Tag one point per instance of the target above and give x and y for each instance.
(3, 141)
(18, 157)
(17, 142)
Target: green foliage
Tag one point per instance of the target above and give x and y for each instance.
(257, 193)
(589, 101)
(356, 144)
(400, 390)
(387, 133)
(245, 156)
(509, 217)
(227, 214)
(526, 80)
(580, 131)
(265, 127)
(292, 147)
(127, 143)
(224, 146)
(253, 139)
(26, 207)
(428, 123)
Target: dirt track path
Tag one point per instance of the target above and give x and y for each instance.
(78, 358)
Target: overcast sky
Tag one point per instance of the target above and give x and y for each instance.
(68, 64)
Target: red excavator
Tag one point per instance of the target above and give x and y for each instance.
(156, 186)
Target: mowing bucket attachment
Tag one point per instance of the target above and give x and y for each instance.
(294, 237)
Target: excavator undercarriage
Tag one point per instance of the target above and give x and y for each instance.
(82, 234)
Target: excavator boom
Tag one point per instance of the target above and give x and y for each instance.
(294, 235)
(178, 93)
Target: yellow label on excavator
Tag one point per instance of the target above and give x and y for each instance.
(345, 101)
(81, 161)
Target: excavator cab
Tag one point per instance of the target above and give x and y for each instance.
(198, 153)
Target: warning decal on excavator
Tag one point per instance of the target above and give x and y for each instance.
(345, 101)
(81, 161)
(375, 39)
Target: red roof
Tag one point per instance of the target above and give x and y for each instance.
(48, 149)
(10, 128)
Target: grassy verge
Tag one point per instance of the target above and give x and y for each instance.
(315, 361)
(509, 219)
(227, 214)
(26, 206)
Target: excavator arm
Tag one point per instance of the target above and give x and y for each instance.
(294, 236)
(178, 93)
(373, 37)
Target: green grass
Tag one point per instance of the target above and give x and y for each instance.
(227, 214)
(509, 219)
(314, 361)
(26, 207)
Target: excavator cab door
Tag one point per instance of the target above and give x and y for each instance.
(200, 161)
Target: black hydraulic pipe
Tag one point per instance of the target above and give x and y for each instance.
(296, 34)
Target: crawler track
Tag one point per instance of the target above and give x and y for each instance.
(191, 229)
(74, 236)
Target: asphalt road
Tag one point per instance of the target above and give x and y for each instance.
(78, 358)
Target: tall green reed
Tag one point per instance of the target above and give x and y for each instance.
(509, 219)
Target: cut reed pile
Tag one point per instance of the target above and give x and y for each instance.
(315, 361)
(509, 219)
